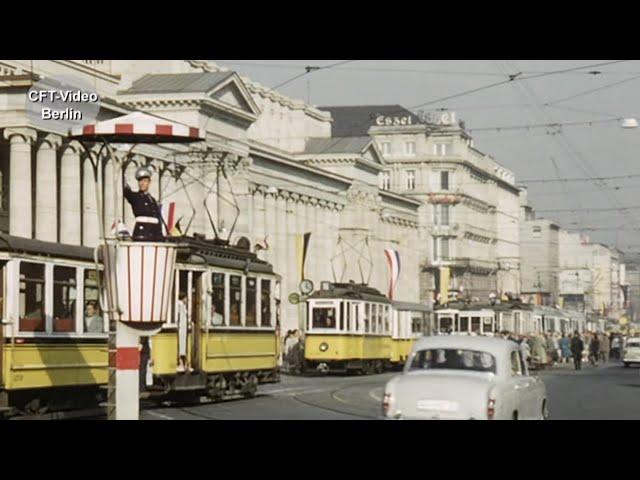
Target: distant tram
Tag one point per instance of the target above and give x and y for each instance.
(354, 328)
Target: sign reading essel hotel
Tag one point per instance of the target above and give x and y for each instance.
(381, 120)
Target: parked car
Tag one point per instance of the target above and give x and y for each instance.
(465, 377)
(631, 353)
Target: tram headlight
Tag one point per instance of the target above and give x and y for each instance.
(324, 346)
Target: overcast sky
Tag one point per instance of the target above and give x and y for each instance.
(602, 149)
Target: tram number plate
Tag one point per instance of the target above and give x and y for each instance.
(437, 405)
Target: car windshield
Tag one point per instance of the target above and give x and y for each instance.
(453, 359)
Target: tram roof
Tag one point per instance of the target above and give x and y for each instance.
(409, 306)
(15, 244)
(350, 291)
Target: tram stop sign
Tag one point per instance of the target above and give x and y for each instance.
(294, 298)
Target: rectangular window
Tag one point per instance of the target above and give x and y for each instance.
(217, 300)
(367, 317)
(537, 232)
(411, 179)
(324, 317)
(436, 250)
(251, 293)
(64, 299)
(444, 248)
(444, 180)
(93, 320)
(32, 317)
(464, 324)
(410, 148)
(235, 300)
(386, 148)
(441, 214)
(265, 303)
(385, 180)
(475, 324)
(442, 149)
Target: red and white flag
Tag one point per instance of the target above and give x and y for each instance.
(169, 215)
(393, 261)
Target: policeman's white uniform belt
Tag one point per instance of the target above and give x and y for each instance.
(147, 220)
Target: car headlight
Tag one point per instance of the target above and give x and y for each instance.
(324, 346)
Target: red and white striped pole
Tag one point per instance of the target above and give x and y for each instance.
(127, 361)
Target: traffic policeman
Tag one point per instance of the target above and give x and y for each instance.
(145, 208)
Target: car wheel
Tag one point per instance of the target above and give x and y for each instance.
(626, 364)
(545, 411)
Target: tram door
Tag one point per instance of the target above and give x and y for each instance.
(191, 283)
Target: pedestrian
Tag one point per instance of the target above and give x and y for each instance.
(526, 351)
(565, 348)
(145, 208)
(289, 342)
(145, 362)
(594, 350)
(615, 347)
(577, 345)
(551, 348)
(183, 321)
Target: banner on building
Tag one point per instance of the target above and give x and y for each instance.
(302, 244)
(444, 284)
(393, 261)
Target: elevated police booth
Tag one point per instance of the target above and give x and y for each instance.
(138, 275)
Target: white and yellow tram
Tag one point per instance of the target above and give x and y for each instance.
(53, 340)
(515, 317)
(354, 328)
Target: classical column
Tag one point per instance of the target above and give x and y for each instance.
(258, 216)
(270, 222)
(20, 219)
(46, 189)
(112, 191)
(90, 221)
(70, 187)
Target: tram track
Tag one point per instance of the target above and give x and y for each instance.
(334, 394)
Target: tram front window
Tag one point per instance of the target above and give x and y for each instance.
(475, 324)
(64, 299)
(32, 317)
(324, 317)
(464, 324)
(93, 320)
(235, 285)
(250, 301)
(217, 300)
(445, 324)
(265, 303)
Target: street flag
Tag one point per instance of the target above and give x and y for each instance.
(168, 214)
(393, 261)
(302, 245)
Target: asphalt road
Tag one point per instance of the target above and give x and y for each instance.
(608, 392)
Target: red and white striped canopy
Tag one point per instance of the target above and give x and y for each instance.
(137, 127)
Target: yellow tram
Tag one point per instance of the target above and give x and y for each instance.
(354, 328)
(53, 340)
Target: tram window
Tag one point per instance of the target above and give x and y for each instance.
(464, 324)
(32, 318)
(374, 318)
(324, 317)
(265, 303)
(445, 324)
(367, 316)
(93, 320)
(251, 292)
(217, 300)
(475, 324)
(387, 313)
(416, 325)
(341, 316)
(487, 324)
(235, 295)
(64, 299)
